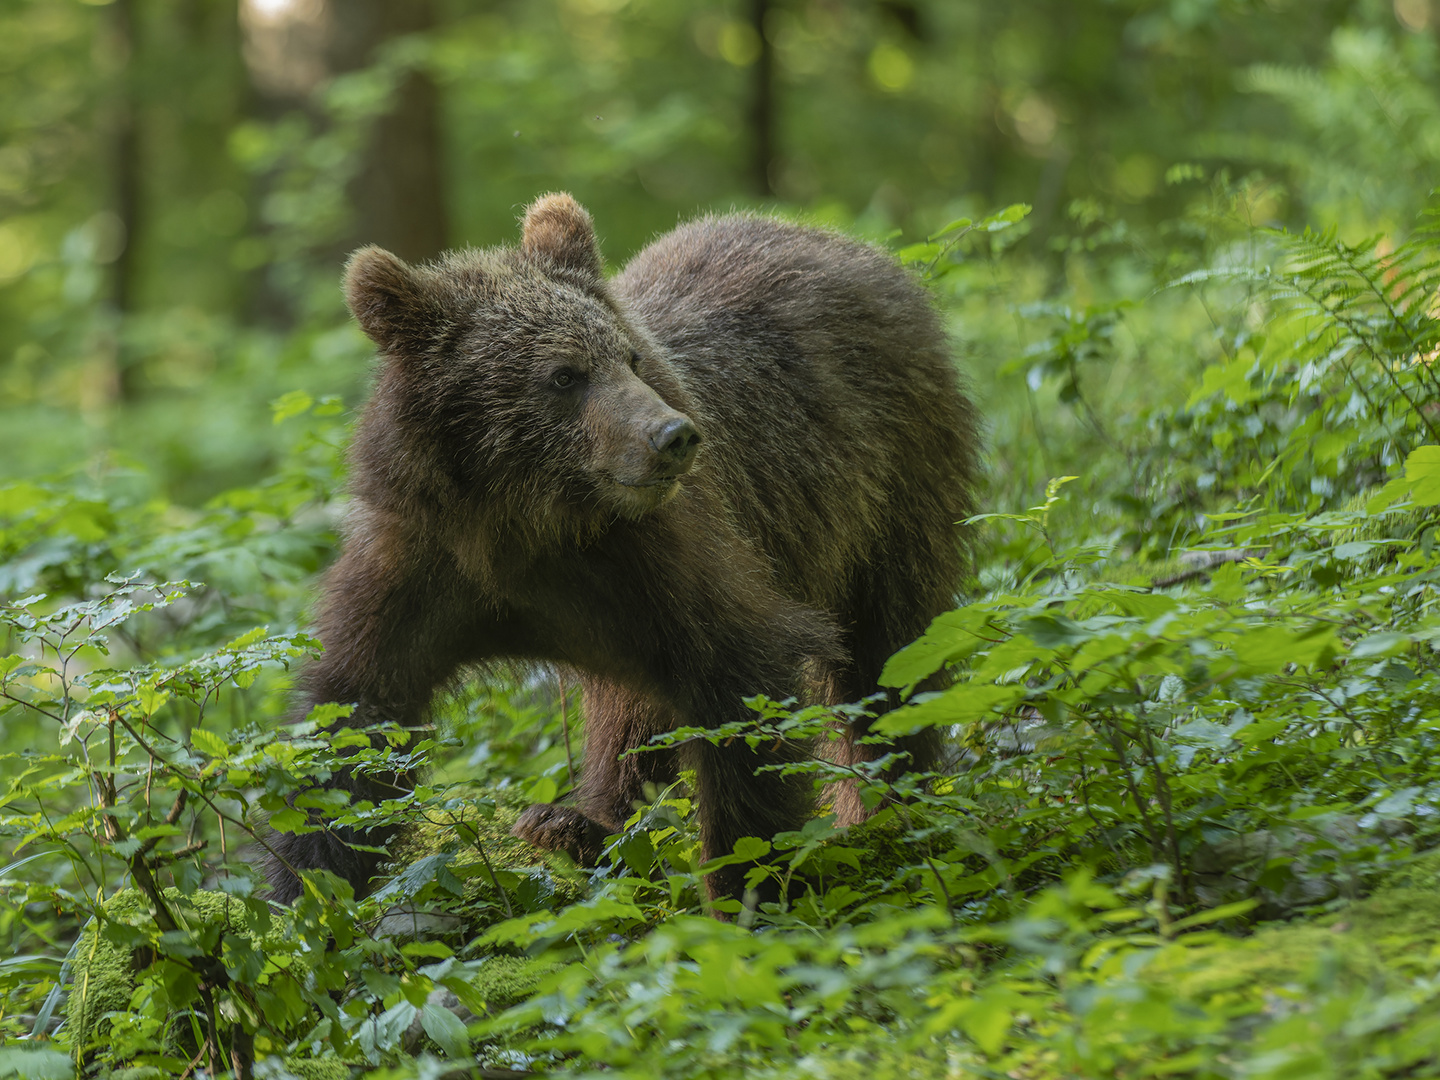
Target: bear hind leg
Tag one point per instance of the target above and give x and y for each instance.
(891, 611)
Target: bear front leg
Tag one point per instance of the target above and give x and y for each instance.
(611, 781)
(764, 650)
(736, 801)
(394, 629)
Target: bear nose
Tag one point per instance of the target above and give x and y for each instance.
(677, 441)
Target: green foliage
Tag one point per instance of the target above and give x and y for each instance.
(1187, 826)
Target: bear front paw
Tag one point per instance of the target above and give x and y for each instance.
(552, 827)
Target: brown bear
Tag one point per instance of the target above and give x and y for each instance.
(734, 468)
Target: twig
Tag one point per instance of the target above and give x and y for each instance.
(565, 724)
(509, 911)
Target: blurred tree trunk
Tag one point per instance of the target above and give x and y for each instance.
(762, 105)
(398, 194)
(125, 185)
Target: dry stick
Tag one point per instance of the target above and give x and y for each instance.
(565, 725)
(1221, 559)
(212, 1032)
(193, 1062)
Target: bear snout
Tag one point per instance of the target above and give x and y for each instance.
(675, 441)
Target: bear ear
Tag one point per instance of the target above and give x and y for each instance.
(385, 297)
(559, 229)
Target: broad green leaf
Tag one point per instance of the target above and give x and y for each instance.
(151, 699)
(35, 1063)
(637, 851)
(1271, 648)
(1422, 472)
(287, 820)
(950, 637)
(1380, 644)
(245, 640)
(328, 712)
(1232, 379)
(1003, 219)
(446, 1029)
(544, 790)
(208, 742)
(1355, 549)
(965, 703)
(289, 405)
(747, 849)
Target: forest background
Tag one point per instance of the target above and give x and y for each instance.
(1195, 685)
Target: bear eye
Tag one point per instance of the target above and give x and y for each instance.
(563, 379)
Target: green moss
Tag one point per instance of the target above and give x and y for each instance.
(884, 848)
(1375, 941)
(102, 981)
(510, 857)
(103, 976)
(1421, 872)
(318, 1068)
(304, 1068)
(503, 981)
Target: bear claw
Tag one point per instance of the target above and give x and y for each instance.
(552, 827)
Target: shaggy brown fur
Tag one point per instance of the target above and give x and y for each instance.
(740, 460)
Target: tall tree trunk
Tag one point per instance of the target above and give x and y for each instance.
(125, 185)
(398, 194)
(762, 105)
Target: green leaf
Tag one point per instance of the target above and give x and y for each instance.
(1355, 549)
(747, 849)
(1398, 488)
(958, 223)
(328, 712)
(1011, 215)
(638, 852)
(987, 1017)
(1271, 648)
(208, 742)
(245, 640)
(287, 820)
(1422, 472)
(151, 698)
(446, 1029)
(289, 405)
(437, 949)
(950, 637)
(35, 1064)
(964, 703)
(1232, 379)
(1381, 644)
(1224, 911)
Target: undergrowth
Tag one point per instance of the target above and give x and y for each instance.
(1192, 709)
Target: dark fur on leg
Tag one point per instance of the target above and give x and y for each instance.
(328, 848)
(736, 802)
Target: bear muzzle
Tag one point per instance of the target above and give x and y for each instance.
(675, 442)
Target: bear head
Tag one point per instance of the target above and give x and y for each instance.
(513, 385)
